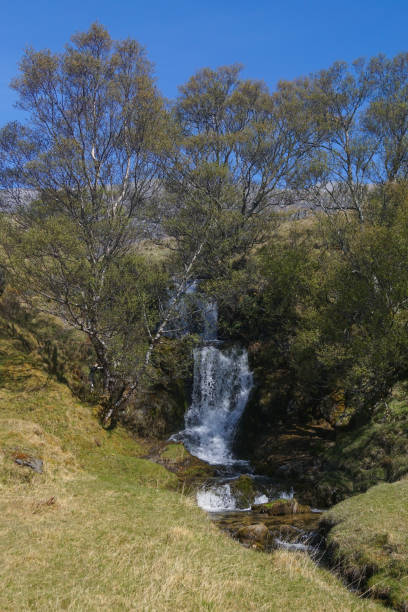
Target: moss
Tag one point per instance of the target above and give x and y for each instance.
(196, 472)
(282, 506)
(176, 458)
(273, 503)
(175, 452)
(243, 490)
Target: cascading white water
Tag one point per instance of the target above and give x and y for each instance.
(222, 382)
(195, 314)
(209, 312)
(216, 498)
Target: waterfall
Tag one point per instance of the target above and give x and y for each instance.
(221, 386)
(195, 315)
(216, 499)
(222, 382)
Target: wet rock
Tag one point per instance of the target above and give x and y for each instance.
(258, 533)
(281, 507)
(286, 532)
(292, 469)
(243, 490)
(32, 462)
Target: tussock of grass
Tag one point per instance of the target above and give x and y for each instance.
(174, 452)
(369, 541)
(103, 529)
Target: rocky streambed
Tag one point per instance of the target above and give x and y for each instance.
(278, 524)
(252, 509)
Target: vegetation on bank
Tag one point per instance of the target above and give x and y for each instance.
(368, 542)
(326, 327)
(374, 452)
(103, 528)
(324, 465)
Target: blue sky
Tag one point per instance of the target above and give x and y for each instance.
(274, 39)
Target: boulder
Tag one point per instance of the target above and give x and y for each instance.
(280, 507)
(286, 532)
(257, 533)
(243, 490)
(176, 458)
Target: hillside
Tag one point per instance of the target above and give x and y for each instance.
(103, 528)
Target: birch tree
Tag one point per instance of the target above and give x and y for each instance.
(339, 175)
(76, 177)
(239, 147)
(387, 116)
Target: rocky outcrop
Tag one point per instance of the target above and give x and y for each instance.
(176, 458)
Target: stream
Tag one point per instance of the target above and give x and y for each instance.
(233, 499)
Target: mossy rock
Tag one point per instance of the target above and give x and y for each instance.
(256, 534)
(280, 507)
(176, 458)
(196, 472)
(243, 490)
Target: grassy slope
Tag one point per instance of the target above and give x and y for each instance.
(104, 529)
(369, 540)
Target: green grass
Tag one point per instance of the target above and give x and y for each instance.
(104, 529)
(369, 541)
(174, 453)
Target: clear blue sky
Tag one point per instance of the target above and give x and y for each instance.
(273, 38)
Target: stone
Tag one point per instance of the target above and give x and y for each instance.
(286, 532)
(29, 461)
(243, 490)
(254, 533)
(281, 507)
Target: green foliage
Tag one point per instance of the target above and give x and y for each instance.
(158, 408)
(367, 453)
(326, 326)
(90, 151)
(237, 147)
(323, 308)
